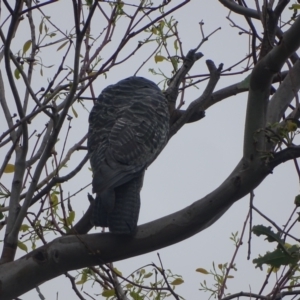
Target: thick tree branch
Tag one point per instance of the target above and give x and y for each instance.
(196, 116)
(260, 83)
(225, 93)
(78, 251)
(241, 10)
(11, 236)
(284, 95)
(285, 155)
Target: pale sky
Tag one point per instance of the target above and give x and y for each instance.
(194, 163)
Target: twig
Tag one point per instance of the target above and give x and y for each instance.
(8, 155)
(230, 266)
(37, 6)
(162, 272)
(57, 180)
(74, 287)
(172, 91)
(274, 224)
(250, 223)
(199, 103)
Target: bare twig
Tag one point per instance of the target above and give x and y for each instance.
(201, 102)
(74, 287)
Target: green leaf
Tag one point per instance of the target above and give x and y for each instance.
(177, 281)
(291, 126)
(74, 112)
(22, 246)
(176, 45)
(9, 168)
(201, 270)
(297, 201)
(279, 258)
(295, 6)
(89, 2)
(26, 46)
(174, 63)
(71, 217)
(117, 271)
(84, 277)
(136, 296)
(154, 30)
(159, 58)
(148, 275)
(108, 293)
(54, 199)
(24, 227)
(41, 27)
(271, 236)
(62, 45)
(161, 24)
(17, 73)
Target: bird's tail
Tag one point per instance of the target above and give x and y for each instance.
(123, 219)
(100, 214)
(104, 204)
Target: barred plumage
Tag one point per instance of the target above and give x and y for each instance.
(129, 127)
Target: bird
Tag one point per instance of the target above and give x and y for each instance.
(128, 128)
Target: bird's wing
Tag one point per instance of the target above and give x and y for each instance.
(127, 138)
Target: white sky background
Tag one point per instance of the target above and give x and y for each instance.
(193, 164)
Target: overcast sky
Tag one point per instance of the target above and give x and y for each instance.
(194, 163)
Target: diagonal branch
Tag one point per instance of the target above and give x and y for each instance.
(284, 156)
(241, 10)
(57, 180)
(74, 252)
(200, 103)
(172, 91)
(284, 95)
(6, 110)
(260, 83)
(21, 151)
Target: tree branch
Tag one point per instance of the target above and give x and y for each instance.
(285, 155)
(172, 91)
(199, 104)
(260, 83)
(61, 179)
(284, 95)
(77, 251)
(6, 110)
(11, 236)
(241, 10)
